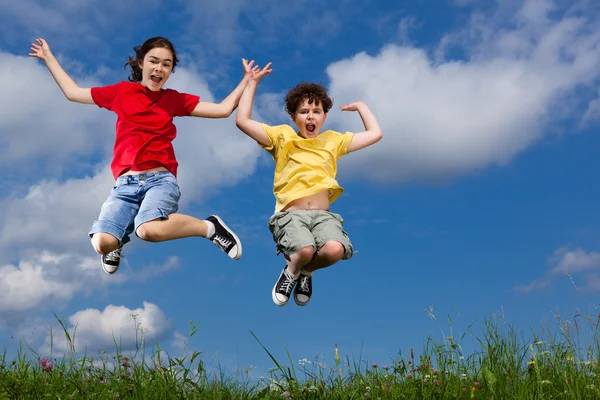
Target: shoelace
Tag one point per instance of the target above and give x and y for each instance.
(287, 284)
(222, 242)
(303, 284)
(113, 255)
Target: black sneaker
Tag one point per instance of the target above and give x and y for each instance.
(111, 261)
(283, 288)
(303, 290)
(225, 239)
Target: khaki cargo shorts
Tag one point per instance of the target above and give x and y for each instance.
(293, 230)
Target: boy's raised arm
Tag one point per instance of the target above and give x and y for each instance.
(226, 107)
(72, 92)
(372, 133)
(243, 119)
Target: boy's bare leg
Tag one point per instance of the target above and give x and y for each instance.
(287, 279)
(299, 259)
(329, 254)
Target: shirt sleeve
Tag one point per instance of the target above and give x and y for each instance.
(104, 96)
(344, 141)
(274, 135)
(183, 103)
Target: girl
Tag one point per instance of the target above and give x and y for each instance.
(146, 193)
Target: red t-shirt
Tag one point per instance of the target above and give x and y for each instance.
(145, 126)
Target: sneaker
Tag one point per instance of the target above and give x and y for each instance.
(111, 261)
(303, 290)
(283, 288)
(225, 239)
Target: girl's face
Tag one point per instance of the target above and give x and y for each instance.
(156, 68)
(309, 119)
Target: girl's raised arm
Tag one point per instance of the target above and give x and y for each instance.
(72, 92)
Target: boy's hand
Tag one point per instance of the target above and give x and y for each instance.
(40, 50)
(249, 68)
(259, 74)
(352, 106)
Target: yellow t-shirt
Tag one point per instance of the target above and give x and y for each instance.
(304, 167)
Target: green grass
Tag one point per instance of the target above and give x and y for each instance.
(558, 362)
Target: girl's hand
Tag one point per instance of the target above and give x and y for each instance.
(249, 68)
(40, 49)
(261, 73)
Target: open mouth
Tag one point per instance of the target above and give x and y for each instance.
(155, 79)
(310, 128)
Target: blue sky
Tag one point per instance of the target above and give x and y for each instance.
(479, 200)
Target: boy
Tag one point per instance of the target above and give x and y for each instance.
(305, 231)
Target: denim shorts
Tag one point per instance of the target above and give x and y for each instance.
(294, 230)
(136, 199)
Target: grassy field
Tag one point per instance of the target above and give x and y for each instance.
(558, 362)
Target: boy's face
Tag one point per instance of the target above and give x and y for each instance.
(309, 119)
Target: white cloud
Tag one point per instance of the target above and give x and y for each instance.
(46, 281)
(38, 123)
(575, 261)
(54, 215)
(580, 267)
(592, 114)
(96, 330)
(442, 119)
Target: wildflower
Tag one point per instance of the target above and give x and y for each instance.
(409, 376)
(46, 364)
(386, 367)
(367, 395)
(286, 394)
(530, 362)
(472, 391)
(462, 358)
(545, 382)
(463, 377)
(435, 371)
(409, 362)
(374, 365)
(435, 382)
(475, 384)
(126, 363)
(569, 358)
(303, 362)
(464, 389)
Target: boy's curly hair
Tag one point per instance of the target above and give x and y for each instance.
(313, 92)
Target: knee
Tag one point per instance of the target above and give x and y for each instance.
(104, 244)
(332, 251)
(305, 254)
(149, 232)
